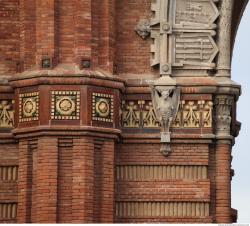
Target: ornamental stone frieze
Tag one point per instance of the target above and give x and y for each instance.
(191, 114)
(6, 113)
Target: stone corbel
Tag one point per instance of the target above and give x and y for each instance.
(166, 100)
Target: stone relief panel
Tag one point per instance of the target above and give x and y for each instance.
(29, 107)
(191, 114)
(183, 34)
(196, 49)
(65, 105)
(195, 14)
(102, 107)
(6, 113)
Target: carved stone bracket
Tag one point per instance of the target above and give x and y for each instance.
(223, 114)
(166, 100)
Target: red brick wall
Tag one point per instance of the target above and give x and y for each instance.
(132, 52)
(146, 177)
(9, 36)
(27, 34)
(8, 182)
(65, 180)
(66, 30)
(223, 183)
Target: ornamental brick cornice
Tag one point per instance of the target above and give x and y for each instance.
(98, 132)
(84, 79)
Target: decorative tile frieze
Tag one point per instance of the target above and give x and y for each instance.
(191, 114)
(28, 107)
(65, 105)
(6, 113)
(102, 107)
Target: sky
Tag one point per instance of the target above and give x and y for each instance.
(241, 150)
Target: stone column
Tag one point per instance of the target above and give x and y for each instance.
(223, 158)
(224, 38)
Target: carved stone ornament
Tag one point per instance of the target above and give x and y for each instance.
(65, 105)
(143, 28)
(29, 107)
(166, 100)
(183, 34)
(223, 115)
(6, 113)
(102, 107)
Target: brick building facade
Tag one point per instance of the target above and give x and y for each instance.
(79, 138)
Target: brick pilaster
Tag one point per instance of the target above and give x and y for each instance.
(46, 29)
(46, 186)
(223, 183)
(24, 184)
(27, 33)
(107, 35)
(107, 208)
(82, 180)
(83, 29)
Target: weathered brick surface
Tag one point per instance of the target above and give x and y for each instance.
(65, 180)
(188, 154)
(131, 50)
(9, 36)
(223, 183)
(104, 182)
(27, 34)
(46, 182)
(83, 181)
(8, 179)
(171, 190)
(24, 183)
